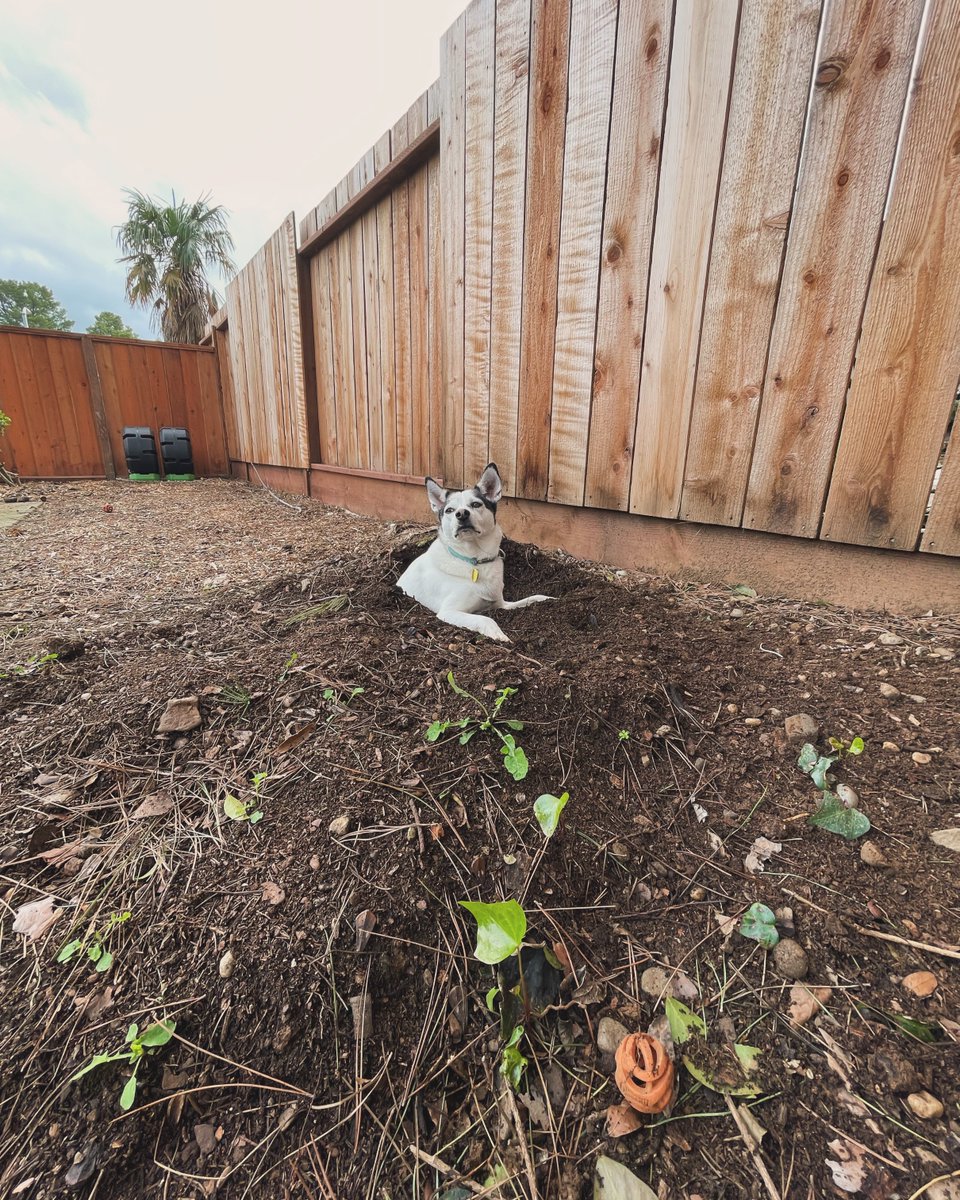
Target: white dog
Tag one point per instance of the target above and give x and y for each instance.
(460, 577)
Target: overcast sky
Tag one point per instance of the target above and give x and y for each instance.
(265, 107)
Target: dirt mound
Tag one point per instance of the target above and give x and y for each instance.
(273, 941)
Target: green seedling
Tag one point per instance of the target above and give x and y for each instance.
(760, 924)
(547, 810)
(623, 735)
(237, 696)
(341, 699)
(687, 1027)
(247, 810)
(95, 944)
(33, 666)
(514, 758)
(289, 665)
(832, 814)
(137, 1047)
(501, 928)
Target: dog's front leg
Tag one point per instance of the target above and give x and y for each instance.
(523, 603)
(475, 621)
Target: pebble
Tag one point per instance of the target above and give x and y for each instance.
(801, 727)
(339, 826)
(620, 851)
(848, 795)
(610, 1034)
(890, 639)
(314, 863)
(925, 1106)
(872, 855)
(920, 983)
(736, 612)
(227, 965)
(698, 893)
(751, 720)
(919, 757)
(86, 695)
(790, 959)
(657, 982)
(892, 747)
(889, 691)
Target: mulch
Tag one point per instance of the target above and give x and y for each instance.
(332, 1034)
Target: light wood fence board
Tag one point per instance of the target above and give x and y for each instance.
(387, 304)
(371, 301)
(509, 192)
(772, 78)
(359, 177)
(323, 352)
(593, 35)
(859, 93)
(633, 164)
(419, 215)
(435, 461)
(700, 73)
(942, 532)
(478, 217)
(549, 54)
(905, 380)
(452, 107)
(402, 328)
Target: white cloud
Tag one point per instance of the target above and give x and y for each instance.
(264, 108)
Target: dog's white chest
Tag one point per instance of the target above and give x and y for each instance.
(439, 581)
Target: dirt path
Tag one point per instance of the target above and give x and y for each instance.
(273, 943)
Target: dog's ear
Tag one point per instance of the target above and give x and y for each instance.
(489, 485)
(438, 497)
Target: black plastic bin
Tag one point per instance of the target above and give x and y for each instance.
(176, 453)
(140, 451)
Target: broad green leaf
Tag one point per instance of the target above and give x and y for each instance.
(234, 808)
(856, 746)
(69, 950)
(683, 1021)
(833, 816)
(742, 590)
(132, 1032)
(716, 1085)
(518, 725)
(255, 817)
(819, 772)
(500, 928)
(748, 1056)
(547, 810)
(808, 757)
(515, 761)
(456, 686)
(467, 735)
(105, 961)
(97, 1061)
(159, 1034)
(129, 1093)
(491, 996)
(614, 1181)
(512, 1062)
(435, 730)
(759, 924)
(95, 952)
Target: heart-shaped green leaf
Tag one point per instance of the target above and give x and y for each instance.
(834, 816)
(709, 1080)
(500, 928)
(159, 1034)
(683, 1021)
(856, 746)
(760, 924)
(547, 810)
(234, 808)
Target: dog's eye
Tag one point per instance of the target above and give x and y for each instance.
(448, 510)
(476, 504)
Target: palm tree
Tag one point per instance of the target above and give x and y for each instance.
(168, 249)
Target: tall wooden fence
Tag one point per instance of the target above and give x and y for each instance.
(69, 396)
(691, 259)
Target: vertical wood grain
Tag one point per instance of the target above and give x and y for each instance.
(858, 98)
(452, 108)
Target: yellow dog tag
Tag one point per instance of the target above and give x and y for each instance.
(475, 575)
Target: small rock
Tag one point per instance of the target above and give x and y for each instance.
(801, 728)
(872, 855)
(620, 851)
(736, 612)
(919, 757)
(698, 894)
(180, 716)
(848, 795)
(83, 1166)
(227, 965)
(610, 1034)
(273, 893)
(805, 1002)
(657, 982)
(790, 959)
(925, 1106)
(751, 720)
(892, 747)
(339, 826)
(314, 863)
(920, 984)
(206, 1138)
(890, 639)
(889, 691)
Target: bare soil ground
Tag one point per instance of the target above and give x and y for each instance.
(658, 706)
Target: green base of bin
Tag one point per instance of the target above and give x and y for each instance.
(136, 478)
(180, 478)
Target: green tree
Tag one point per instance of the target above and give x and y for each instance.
(44, 311)
(168, 249)
(108, 324)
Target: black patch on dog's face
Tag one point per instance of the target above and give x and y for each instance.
(487, 503)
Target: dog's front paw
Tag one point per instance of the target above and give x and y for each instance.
(493, 631)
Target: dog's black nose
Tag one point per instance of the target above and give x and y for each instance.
(463, 516)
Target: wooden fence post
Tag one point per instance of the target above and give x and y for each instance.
(96, 403)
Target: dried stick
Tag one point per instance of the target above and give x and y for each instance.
(752, 1147)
